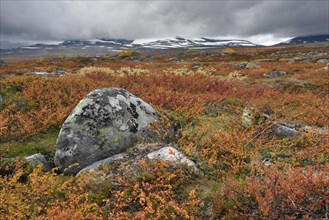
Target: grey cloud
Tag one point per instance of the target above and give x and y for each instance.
(60, 20)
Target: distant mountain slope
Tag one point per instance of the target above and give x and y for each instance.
(180, 42)
(306, 40)
(165, 43)
(99, 42)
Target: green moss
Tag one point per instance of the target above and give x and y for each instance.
(43, 143)
(267, 60)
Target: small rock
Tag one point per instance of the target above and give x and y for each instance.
(252, 66)
(281, 131)
(305, 61)
(298, 59)
(59, 71)
(42, 73)
(322, 61)
(240, 66)
(1, 99)
(327, 67)
(99, 164)
(37, 159)
(174, 59)
(2, 63)
(172, 155)
(137, 153)
(197, 66)
(275, 74)
(266, 162)
(304, 128)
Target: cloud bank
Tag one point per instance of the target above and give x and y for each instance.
(60, 20)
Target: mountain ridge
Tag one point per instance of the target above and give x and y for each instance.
(112, 46)
(309, 39)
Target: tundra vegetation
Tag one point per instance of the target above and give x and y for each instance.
(244, 171)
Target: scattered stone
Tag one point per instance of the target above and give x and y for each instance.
(139, 58)
(305, 61)
(281, 131)
(252, 66)
(296, 59)
(240, 66)
(59, 71)
(103, 124)
(42, 73)
(197, 66)
(141, 152)
(2, 63)
(174, 59)
(99, 164)
(37, 159)
(327, 67)
(1, 99)
(172, 155)
(323, 61)
(266, 162)
(304, 128)
(275, 74)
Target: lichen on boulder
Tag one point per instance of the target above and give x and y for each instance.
(104, 123)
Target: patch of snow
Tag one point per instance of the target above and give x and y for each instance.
(33, 48)
(94, 41)
(150, 40)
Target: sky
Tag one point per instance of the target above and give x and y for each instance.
(25, 22)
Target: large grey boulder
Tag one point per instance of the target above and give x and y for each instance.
(103, 124)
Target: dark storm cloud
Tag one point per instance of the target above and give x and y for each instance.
(60, 20)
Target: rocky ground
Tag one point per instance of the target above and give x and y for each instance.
(230, 133)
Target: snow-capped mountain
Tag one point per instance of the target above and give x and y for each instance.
(306, 40)
(99, 42)
(165, 43)
(112, 46)
(180, 42)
